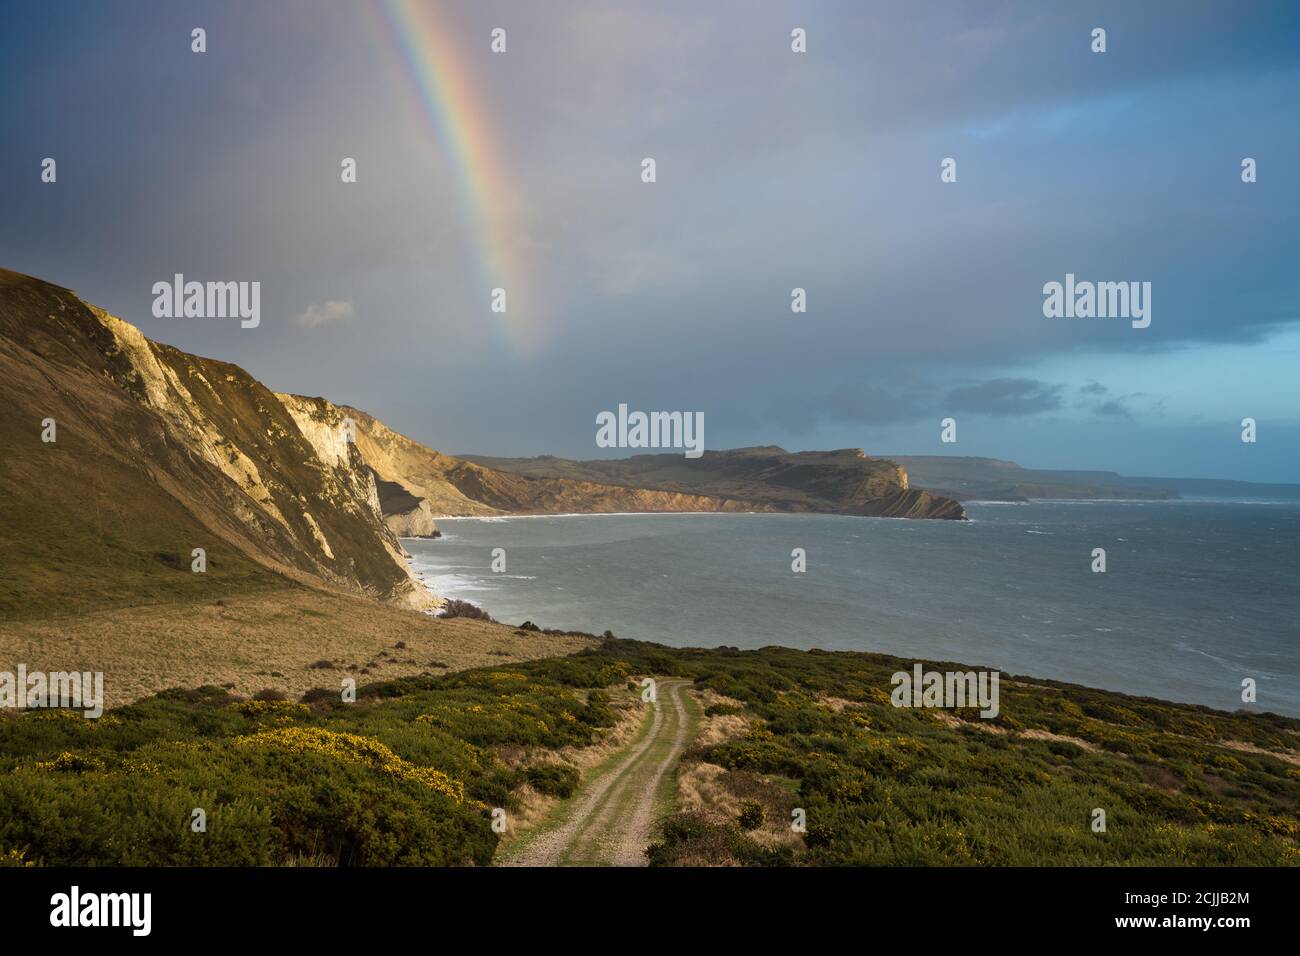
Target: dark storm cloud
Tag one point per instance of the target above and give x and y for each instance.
(1004, 397)
(875, 404)
(776, 170)
(852, 404)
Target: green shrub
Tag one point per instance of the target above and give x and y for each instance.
(554, 780)
(752, 815)
(408, 774)
(689, 840)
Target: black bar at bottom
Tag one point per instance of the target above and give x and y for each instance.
(301, 905)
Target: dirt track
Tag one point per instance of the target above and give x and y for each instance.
(609, 820)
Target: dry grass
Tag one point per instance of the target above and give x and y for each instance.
(259, 641)
(716, 794)
(984, 726)
(1290, 756)
(714, 730)
(535, 807)
(1035, 734)
(702, 788)
(835, 704)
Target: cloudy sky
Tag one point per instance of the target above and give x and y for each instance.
(774, 169)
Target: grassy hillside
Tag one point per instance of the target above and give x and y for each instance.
(285, 640)
(410, 772)
(158, 452)
(831, 482)
(85, 521)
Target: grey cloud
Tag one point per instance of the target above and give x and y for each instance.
(1004, 397)
(877, 404)
(1129, 406)
(1114, 409)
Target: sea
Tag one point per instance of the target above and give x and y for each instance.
(1196, 595)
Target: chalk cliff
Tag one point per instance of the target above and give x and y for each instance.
(157, 453)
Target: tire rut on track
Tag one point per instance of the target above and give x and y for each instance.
(609, 821)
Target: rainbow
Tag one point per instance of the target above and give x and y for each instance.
(445, 89)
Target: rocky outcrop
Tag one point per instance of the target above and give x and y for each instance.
(416, 522)
(913, 503)
(420, 472)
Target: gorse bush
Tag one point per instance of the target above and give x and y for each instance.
(456, 608)
(554, 780)
(752, 815)
(404, 776)
(690, 840)
(409, 774)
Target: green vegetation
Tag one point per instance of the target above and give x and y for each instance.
(88, 532)
(886, 785)
(409, 773)
(405, 776)
(752, 815)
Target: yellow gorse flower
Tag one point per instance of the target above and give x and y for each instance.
(355, 749)
(270, 708)
(71, 761)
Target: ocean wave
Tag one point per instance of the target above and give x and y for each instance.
(449, 585)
